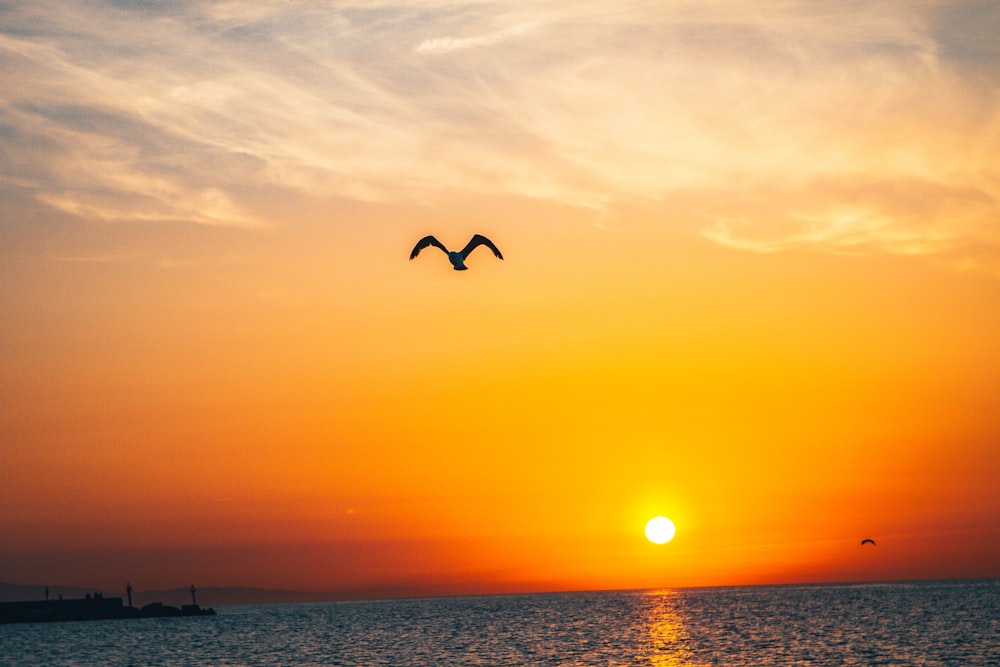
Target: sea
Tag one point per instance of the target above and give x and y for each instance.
(922, 623)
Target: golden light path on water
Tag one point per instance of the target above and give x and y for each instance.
(669, 641)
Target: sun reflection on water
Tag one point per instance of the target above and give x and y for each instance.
(668, 643)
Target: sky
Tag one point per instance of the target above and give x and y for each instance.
(751, 282)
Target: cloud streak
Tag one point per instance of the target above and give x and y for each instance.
(781, 124)
(449, 44)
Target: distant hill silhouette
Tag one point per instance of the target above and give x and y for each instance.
(207, 595)
(21, 592)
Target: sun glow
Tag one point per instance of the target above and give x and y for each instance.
(660, 530)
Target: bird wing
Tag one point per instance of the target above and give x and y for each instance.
(868, 541)
(424, 242)
(477, 241)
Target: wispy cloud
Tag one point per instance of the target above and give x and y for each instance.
(813, 124)
(449, 44)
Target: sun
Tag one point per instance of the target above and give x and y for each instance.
(660, 530)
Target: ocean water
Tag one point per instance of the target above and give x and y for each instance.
(927, 623)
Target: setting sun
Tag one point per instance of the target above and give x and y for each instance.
(660, 530)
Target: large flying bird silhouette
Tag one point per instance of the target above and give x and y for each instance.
(868, 540)
(457, 259)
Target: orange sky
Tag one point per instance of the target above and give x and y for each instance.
(751, 282)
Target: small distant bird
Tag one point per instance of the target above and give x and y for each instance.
(868, 540)
(457, 259)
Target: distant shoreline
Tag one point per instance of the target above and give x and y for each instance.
(245, 595)
(96, 608)
(221, 595)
